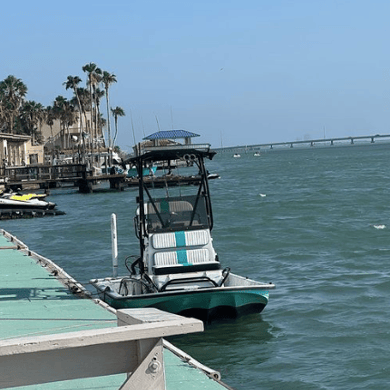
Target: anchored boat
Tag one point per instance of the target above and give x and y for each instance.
(178, 269)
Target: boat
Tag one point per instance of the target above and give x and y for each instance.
(178, 269)
(257, 154)
(236, 155)
(211, 176)
(132, 172)
(16, 200)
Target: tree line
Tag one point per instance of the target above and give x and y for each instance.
(21, 116)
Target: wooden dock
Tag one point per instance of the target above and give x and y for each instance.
(77, 175)
(28, 213)
(53, 333)
(57, 176)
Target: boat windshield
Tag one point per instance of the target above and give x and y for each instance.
(176, 213)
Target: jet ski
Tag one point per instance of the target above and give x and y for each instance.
(16, 200)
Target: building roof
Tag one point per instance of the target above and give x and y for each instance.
(171, 134)
(15, 137)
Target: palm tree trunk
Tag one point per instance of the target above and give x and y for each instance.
(108, 128)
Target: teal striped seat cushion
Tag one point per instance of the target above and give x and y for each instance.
(180, 239)
(181, 257)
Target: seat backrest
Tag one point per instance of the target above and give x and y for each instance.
(180, 239)
(182, 251)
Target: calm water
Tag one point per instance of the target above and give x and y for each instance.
(314, 221)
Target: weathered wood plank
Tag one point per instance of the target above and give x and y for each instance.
(146, 315)
(43, 359)
(99, 336)
(66, 364)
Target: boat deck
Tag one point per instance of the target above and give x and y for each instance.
(35, 303)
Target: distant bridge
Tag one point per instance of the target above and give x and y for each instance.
(312, 142)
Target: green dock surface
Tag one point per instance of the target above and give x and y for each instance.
(33, 302)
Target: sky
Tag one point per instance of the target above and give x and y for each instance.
(235, 72)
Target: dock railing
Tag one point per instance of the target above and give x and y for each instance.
(45, 172)
(134, 347)
(53, 176)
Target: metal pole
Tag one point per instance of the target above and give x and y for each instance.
(114, 245)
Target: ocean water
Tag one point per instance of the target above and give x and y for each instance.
(313, 221)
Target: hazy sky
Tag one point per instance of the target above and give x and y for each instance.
(236, 72)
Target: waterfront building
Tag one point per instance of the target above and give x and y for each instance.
(18, 150)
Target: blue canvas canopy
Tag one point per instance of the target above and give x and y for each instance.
(171, 134)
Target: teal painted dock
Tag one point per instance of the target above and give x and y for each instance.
(37, 299)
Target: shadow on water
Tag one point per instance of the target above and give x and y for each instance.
(240, 339)
(246, 327)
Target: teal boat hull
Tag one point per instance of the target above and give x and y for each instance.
(205, 304)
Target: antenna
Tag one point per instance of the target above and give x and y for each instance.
(158, 126)
(132, 126)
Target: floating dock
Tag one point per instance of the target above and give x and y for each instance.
(28, 213)
(53, 335)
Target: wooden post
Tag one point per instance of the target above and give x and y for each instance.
(150, 372)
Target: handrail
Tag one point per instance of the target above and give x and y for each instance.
(98, 352)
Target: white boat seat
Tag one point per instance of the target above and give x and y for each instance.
(180, 239)
(182, 251)
(181, 257)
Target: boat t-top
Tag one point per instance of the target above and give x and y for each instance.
(178, 269)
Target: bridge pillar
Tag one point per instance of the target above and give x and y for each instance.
(372, 140)
(351, 141)
(291, 145)
(331, 142)
(311, 143)
(271, 147)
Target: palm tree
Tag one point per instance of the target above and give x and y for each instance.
(85, 103)
(2, 116)
(59, 113)
(72, 83)
(49, 118)
(98, 94)
(94, 77)
(69, 117)
(117, 111)
(31, 115)
(12, 93)
(108, 79)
